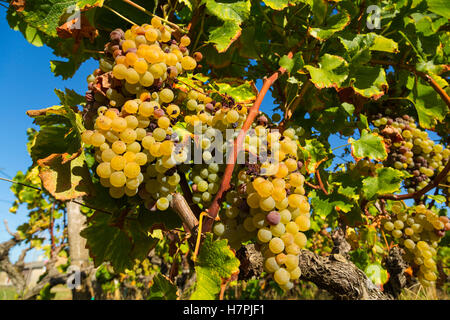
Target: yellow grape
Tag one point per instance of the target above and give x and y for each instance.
(118, 179)
(303, 222)
(119, 147)
(97, 139)
(118, 163)
(104, 170)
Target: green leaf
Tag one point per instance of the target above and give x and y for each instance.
(162, 289)
(277, 4)
(388, 180)
(92, 3)
(222, 37)
(60, 132)
(334, 24)
(31, 34)
(286, 62)
(215, 263)
(65, 69)
(369, 82)
(236, 11)
(240, 90)
(326, 205)
(168, 219)
(369, 145)
(439, 7)
(429, 105)
(45, 14)
(117, 240)
(107, 243)
(70, 98)
(314, 153)
(376, 273)
(319, 9)
(438, 198)
(332, 72)
(381, 43)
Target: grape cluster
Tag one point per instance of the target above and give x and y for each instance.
(134, 127)
(411, 149)
(269, 203)
(419, 230)
(207, 121)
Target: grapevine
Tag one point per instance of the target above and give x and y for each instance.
(222, 148)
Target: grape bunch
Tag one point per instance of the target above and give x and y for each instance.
(134, 134)
(412, 150)
(419, 230)
(269, 203)
(208, 122)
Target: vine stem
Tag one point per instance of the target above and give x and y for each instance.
(214, 208)
(322, 187)
(416, 195)
(119, 15)
(421, 74)
(74, 201)
(154, 15)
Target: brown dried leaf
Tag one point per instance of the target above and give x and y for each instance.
(65, 176)
(18, 4)
(77, 29)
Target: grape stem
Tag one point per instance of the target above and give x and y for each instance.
(312, 185)
(416, 195)
(188, 195)
(214, 208)
(119, 15)
(74, 201)
(320, 182)
(421, 74)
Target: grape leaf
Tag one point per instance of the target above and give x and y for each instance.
(277, 4)
(314, 153)
(240, 90)
(162, 289)
(334, 24)
(215, 263)
(439, 7)
(65, 69)
(376, 273)
(59, 134)
(369, 82)
(236, 11)
(429, 105)
(319, 9)
(326, 205)
(438, 198)
(369, 145)
(332, 71)
(222, 37)
(45, 14)
(65, 180)
(70, 98)
(388, 180)
(120, 243)
(168, 219)
(107, 242)
(292, 64)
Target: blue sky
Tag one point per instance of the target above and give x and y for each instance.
(26, 82)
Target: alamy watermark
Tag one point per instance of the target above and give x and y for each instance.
(374, 17)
